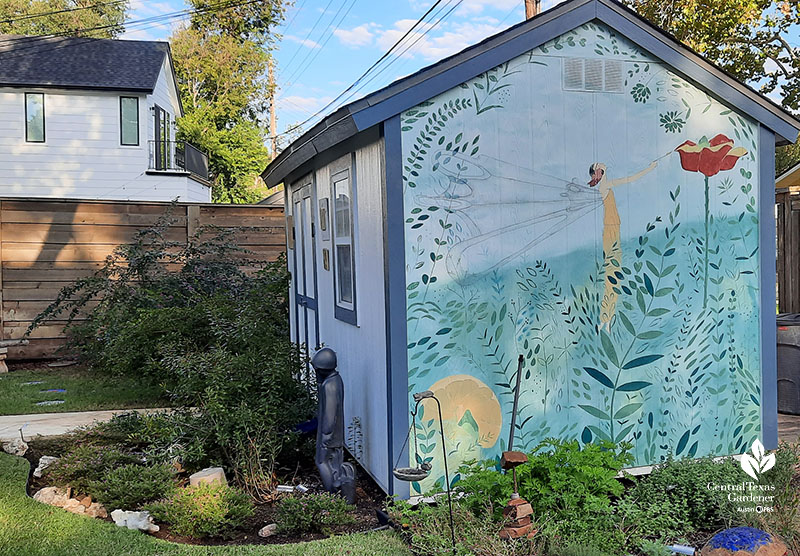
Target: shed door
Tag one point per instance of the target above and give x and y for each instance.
(305, 269)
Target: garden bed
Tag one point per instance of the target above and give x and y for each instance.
(369, 500)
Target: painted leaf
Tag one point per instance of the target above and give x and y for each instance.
(599, 377)
(627, 410)
(586, 435)
(467, 420)
(682, 443)
(599, 413)
(608, 347)
(634, 386)
(641, 361)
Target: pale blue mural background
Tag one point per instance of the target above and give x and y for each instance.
(504, 256)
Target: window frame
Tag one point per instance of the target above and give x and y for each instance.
(122, 123)
(345, 169)
(44, 119)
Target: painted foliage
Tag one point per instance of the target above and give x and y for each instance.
(589, 209)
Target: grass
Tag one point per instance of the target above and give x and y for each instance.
(28, 528)
(85, 391)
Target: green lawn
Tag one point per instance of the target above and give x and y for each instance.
(85, 391)
(28, 528)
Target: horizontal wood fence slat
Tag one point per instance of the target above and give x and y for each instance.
(47, 244)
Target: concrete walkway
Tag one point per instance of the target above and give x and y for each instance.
(52, 424)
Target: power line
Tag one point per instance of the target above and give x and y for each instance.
(406, 49)
(303, 69)
(56, 12)
(136, 24)
(322, 13)
(373, 66)
(294, 15)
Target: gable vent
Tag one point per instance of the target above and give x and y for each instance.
(592, 75)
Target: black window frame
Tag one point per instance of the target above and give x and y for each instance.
(344, 170)
(44, 119)
(138, 123)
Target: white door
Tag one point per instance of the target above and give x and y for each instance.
(305, 270)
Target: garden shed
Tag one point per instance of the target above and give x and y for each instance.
(580, 189)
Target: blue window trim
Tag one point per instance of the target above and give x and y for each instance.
(344, 314)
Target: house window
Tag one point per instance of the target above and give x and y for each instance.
(34, 117)
(129, 120)
(343, 252)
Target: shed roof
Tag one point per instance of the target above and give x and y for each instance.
(790, 179)
(409, 91)
(80, 63)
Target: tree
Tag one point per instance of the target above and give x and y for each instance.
(747, 38)
(220, 60)
(88, 18)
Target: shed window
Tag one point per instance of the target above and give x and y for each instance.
(34, 117)
(129, 120)
(343, 252)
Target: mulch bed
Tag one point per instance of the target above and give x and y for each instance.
(370, 498)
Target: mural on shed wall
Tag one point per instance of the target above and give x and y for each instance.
(589, 209)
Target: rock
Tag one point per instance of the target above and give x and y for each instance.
(52, 496)
(208, 475)
(16, 447)
(86, 501)
(268, 530)
(510, 460)
(97, 510)
(743, 541)
(142, 521)
(73, 505)
(44, 463)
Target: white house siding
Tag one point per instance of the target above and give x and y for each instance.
(82, 157)
(361, 349)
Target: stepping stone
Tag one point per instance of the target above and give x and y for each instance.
(67, 363)
(50, 402)
(33, 383)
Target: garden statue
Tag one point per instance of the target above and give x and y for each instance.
(337, 475)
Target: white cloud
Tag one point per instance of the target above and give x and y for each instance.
(477, 6)
(308, 43)
(436, 43)
(357, 36)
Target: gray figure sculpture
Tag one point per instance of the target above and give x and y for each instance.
(337, 475)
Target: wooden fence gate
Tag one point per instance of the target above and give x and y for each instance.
(46, 244)
(787, 217)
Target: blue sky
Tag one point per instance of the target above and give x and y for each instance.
(315, 64)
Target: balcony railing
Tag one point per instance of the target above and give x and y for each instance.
(178, 156)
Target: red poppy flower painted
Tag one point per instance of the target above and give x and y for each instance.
(710, 157)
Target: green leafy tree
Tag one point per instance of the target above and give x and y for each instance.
(88, 18)
(221, 59)
(750, 39)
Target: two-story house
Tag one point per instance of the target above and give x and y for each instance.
(93, 119)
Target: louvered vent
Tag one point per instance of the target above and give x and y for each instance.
(592, 75)
(573, 74)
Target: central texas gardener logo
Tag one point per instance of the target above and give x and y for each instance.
(759, 462)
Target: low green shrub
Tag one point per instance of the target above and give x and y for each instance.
(427, 530)
(206, 510)
(84, 466)
(675, 499)
(313, 513)
(578, 550)
(131, 486)
(785, 477)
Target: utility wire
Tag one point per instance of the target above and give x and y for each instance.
(294, 16)
(399, 56)
(300, 46)
(35, 41)
(291, 80)
(65, 10)
(363, 75)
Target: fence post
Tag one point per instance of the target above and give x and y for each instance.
(192, 220)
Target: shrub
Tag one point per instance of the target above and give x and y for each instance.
(313, 513)
(85, 465)
(785, 477)
(675, 499)
(212, 328)
(427, 530)
(206, 510)
(131, 486)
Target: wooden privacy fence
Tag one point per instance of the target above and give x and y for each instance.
(46, 244)
(787, 213)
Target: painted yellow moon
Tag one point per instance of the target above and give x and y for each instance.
(461, 393)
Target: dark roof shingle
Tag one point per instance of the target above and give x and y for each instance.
(80, 63)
